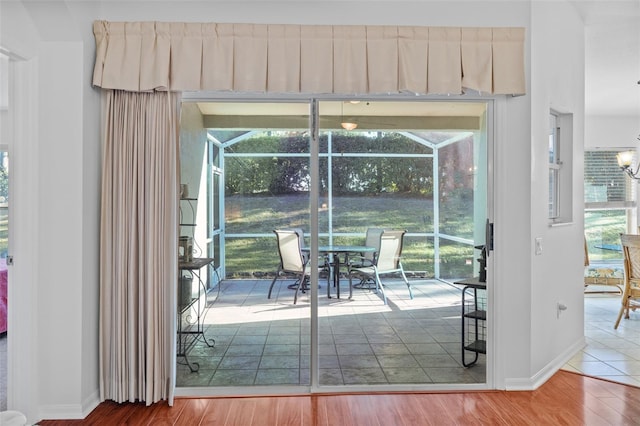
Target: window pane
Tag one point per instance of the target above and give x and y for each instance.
(602, 230)
(456, 260)
(553, 193)
(384, 196)
(603, 179)
(251, 257)
(553, 141)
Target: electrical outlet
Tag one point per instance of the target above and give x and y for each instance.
(538, 246)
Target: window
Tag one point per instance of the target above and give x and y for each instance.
(610, 204)
(560, 146)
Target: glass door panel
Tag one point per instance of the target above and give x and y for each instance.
(393, 171)
(259, 180)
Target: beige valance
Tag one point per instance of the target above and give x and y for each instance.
(142, 56)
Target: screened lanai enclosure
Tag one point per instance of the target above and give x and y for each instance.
(411, 165)
(251, 167)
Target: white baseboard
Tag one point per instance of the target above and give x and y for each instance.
(71, 411)
(538, 379)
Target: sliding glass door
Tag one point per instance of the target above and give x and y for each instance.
(416, 167)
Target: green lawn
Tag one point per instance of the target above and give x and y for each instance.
(257, 256)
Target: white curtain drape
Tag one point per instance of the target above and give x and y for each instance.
(142, 56)
(138, 243)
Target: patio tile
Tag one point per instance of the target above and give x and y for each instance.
(354, 349)
(358, 361)
(198, 378)
(399, 375)
(249, 340)
(449, 375)
(277, 377)
(283, 339)
(284, 330)
(279, 361)
(350, 338)
(426, 348)
(423, 337)
(384, 338)
(255, 350)
(363, 376)
(439, 360)
(389, 349)
(281, 350)
(330, 376)
(328, 361)
(253, 331)
(377, 329)
(240, 377)
(305, 376)
(239, 362)
(397, 361)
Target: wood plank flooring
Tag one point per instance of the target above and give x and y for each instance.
(566, 399)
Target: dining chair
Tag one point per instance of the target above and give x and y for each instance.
(292, 260)
(300, 232)
(371, 239)
(387, 261)
(631, 294)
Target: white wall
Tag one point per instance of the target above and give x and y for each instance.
(67, 156)
(612, 131)
(557, 58)
(55, 154)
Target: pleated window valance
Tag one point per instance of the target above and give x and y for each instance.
(143, 56)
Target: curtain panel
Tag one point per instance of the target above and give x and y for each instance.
(172, 56)
(138, 237)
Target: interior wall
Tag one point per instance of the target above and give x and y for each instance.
(61, 193)
(55, 149)
(557, 58)
(612, 131)
(65, 27)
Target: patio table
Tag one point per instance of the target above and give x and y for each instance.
(335, 251)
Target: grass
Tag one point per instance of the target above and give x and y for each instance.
(259, 214)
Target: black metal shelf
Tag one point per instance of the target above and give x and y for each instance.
(473, 321)
(479, 346)
(479, 314)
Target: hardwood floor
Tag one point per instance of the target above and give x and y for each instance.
(566, 399)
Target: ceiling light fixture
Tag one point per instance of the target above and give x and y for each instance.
(347, 124)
